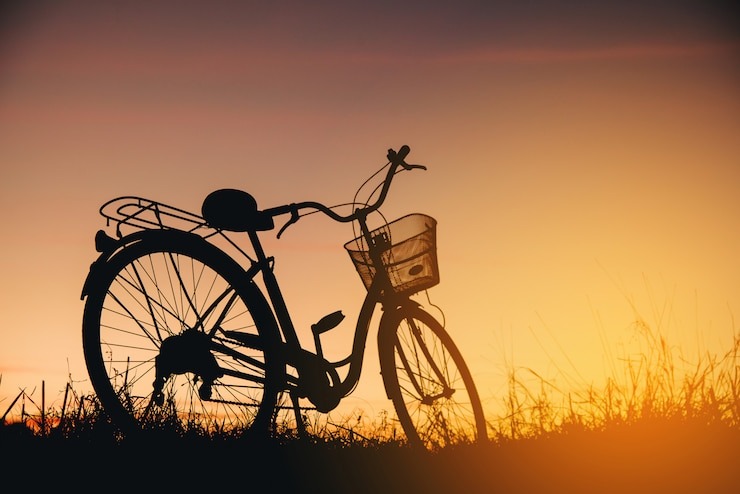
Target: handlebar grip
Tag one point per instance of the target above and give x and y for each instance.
(397, 158)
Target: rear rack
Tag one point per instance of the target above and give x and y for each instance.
(144, 214)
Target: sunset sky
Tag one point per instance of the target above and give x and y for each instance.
(583, 164)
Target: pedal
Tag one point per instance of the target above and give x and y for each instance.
(329, 321)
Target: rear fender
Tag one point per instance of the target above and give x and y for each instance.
(108, 246)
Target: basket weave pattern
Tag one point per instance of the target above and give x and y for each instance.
(409, 256)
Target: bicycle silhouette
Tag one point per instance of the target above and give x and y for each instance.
(176, 331)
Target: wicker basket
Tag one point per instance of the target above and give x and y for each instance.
(409, 253)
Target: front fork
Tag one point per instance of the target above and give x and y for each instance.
(393, 313)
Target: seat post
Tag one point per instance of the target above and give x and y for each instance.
(274, 293)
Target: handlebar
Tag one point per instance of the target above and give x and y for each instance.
(396, 160)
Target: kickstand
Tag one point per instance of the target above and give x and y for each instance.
(298, 417)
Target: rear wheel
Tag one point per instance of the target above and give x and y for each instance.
(175, 336)
(428, 381)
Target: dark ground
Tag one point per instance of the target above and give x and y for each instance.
(646, 457)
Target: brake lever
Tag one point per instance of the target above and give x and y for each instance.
(406, 166)
(293, 218)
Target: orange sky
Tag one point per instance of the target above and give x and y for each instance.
(577, 159)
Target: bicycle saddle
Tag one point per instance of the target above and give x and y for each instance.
(235, 210)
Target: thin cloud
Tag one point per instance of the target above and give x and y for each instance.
(619, 52)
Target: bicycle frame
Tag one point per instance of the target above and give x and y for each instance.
(325, 397)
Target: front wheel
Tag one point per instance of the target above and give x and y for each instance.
(428, 381)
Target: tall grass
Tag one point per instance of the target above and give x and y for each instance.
(658, 383)
(82, 416)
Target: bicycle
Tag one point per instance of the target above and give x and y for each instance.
(177, 331)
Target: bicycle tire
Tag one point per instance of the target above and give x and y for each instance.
(428, 381)
(158, 287)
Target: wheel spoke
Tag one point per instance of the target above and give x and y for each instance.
(406, 368)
